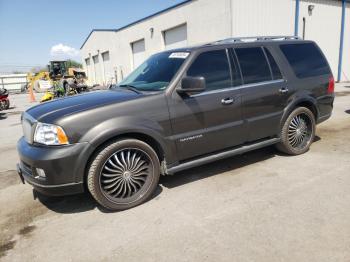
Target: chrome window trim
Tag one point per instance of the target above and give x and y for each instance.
(238, 87)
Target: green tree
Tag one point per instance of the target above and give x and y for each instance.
(73, 63)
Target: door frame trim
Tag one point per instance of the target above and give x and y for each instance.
(239, 87)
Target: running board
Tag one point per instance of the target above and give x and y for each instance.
(222, 155)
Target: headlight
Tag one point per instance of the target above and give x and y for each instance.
(48, 134)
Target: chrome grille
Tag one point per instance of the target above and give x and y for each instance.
(28, 127)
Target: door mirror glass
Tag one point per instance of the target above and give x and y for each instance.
(191, 84)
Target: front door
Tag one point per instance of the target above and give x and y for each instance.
(211, 120)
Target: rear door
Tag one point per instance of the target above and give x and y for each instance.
(264, 91)
(209, 121)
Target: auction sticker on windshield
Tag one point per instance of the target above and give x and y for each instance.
(182, 55)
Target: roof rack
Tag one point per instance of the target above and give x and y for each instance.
(255, 38)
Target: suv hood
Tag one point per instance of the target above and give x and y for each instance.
(73, 104)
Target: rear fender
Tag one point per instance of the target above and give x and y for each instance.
(294, 101)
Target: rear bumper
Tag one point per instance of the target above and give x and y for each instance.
(325, 107)
(62, 166)
(323, 118)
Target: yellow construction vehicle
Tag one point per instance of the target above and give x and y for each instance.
(65, 81)
(38, 81)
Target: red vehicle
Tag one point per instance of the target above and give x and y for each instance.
(4, 101)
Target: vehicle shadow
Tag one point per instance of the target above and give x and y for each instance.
(3, 115)
(68, 204)
(347, 111)
(218, 167)
(85, 202)
(77, 203)
(221, 166)
(317, 138)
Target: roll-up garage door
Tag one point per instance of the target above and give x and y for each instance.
(138, 52)
(97, 70)
(175, 37)
(88, 69)
(107, 69)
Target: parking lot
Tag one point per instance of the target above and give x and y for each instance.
(260, 206)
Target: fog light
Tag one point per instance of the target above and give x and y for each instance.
(40, 173)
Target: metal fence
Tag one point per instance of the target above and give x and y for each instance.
(13, 82)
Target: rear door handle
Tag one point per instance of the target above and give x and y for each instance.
(227, 101)
(283, 90)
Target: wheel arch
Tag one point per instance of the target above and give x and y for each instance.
(308, 102)
(144, 137)
(148, 139)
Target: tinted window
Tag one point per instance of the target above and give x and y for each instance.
(253, 64)
(156, 72)
(236, 75)
(214, 67)
(306, 60)
(276, 73)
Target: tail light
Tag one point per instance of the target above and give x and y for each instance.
(330, 89)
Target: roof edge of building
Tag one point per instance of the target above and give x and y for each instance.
(135, 22)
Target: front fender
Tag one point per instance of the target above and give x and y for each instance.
(125, 125)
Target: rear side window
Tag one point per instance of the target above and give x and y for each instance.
(305, 59)
(214, 67)
(276, 73)
(253, 64)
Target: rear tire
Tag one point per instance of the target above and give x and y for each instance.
(123, 174)
(297, 132)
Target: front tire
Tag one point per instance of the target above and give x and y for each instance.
(123, 174)
(297, 132)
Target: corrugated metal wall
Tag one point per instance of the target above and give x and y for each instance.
(209, 20)
(267, 17)
(323, 26)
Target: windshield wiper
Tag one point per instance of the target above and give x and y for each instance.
(132, 88)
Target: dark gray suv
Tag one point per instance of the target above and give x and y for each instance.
(179, 109)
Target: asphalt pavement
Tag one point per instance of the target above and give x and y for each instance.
(260, 206)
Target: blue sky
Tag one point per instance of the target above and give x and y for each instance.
(29, 29)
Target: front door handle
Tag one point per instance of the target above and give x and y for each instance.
(227, 101)
(283, 90)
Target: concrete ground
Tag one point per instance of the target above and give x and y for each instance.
(261, 206)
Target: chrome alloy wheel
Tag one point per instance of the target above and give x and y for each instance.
(125, 176)
(300, 131)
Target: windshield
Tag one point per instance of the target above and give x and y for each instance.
(156, 72)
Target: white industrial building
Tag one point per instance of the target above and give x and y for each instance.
(111, 54)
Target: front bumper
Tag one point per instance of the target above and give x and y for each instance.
(63, 166)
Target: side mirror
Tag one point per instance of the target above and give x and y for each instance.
(191, 84)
